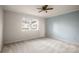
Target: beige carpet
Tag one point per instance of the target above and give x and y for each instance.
(43, 45)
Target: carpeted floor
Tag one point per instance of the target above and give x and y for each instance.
(43, 45)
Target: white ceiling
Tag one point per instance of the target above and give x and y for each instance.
(32, 9)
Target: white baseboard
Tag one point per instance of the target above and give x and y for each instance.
(64, 40)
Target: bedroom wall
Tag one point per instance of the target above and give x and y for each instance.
(64, 27)
(13, 31)
(1, 27)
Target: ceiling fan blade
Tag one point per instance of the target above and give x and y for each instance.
(40, 11)
(49, 9)
(38, 8)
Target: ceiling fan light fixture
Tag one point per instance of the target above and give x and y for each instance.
(44, 8)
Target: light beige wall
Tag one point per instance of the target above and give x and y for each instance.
(12, 27)
(1, 27)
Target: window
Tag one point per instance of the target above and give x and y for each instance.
(30, 24)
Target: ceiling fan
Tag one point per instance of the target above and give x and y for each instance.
(44, 8)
